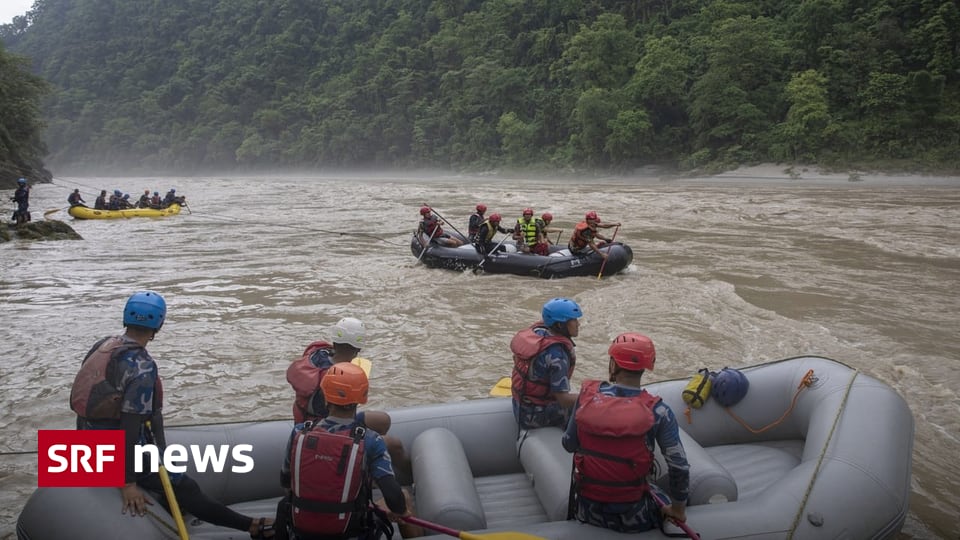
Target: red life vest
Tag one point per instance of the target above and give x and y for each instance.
(613, 460)
(94, 394)
(328, 481)
(579, 240)
(431, 226)
(526, 345)
(305, 378)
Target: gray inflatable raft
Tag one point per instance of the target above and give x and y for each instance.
(837, 466)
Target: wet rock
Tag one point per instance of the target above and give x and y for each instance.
(39, 230)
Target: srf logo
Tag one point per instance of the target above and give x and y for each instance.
(96, 458)
(80, 458)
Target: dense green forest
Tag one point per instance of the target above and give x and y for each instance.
(21, 127)
(188, 85)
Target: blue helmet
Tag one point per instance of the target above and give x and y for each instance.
(22, 181)
(729, 387)
(560, 310)
(145, 308)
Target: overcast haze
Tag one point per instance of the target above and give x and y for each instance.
(11, 8)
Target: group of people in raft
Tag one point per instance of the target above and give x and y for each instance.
(532, 235)
(121, 201)
(611, 427)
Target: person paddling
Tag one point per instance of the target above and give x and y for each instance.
(585, 235)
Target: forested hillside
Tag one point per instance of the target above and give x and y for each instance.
(222, 84)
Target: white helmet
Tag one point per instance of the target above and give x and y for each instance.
(350, 331)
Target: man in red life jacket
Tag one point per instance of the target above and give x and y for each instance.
(612, 433)
(429, 230)
(119, 387)
(330, 467)
(306, 374)
(585, 235)
(543, 361)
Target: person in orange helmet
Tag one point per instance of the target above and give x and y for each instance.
(315, 460)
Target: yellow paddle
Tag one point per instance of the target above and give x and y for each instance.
(363, 363)
(502, 388)
(506, 535)
(171, 498)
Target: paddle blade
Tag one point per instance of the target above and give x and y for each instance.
(502, 388)
(364, 364)
(48, 212)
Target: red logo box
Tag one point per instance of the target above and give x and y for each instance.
(80, 458)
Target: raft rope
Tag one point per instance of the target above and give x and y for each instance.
(261, 223)
(823, 454)
(808, 380)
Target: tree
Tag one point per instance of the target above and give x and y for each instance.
(804, 132)
(21, 143)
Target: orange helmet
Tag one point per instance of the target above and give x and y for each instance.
(345, 384)
(633, 351)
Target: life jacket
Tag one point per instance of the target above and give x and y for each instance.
(305, 378)
(95, 394)
(579, 240)
(328, 482)
(528, 231)
(474, 225)
(526, 345)
(491, 231)
(613, 460)
(431, 226)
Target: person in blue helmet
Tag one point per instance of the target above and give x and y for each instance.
(119, 387)
(612, 434)
(22, 197)
(543, 362)
(115, 200)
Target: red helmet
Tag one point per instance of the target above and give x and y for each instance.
(481, 208)
(633, 351)
(495, 218)
(528, 211)
(592, 215)
(547, 216)
(425, 210)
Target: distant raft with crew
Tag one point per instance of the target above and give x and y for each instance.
(813, 449)
(559, 263)
(83, 212)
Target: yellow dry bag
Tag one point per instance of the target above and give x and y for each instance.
(698, 389)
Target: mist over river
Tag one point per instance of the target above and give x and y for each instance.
(727, 271)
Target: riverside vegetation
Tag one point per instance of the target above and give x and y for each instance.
(190, 85)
